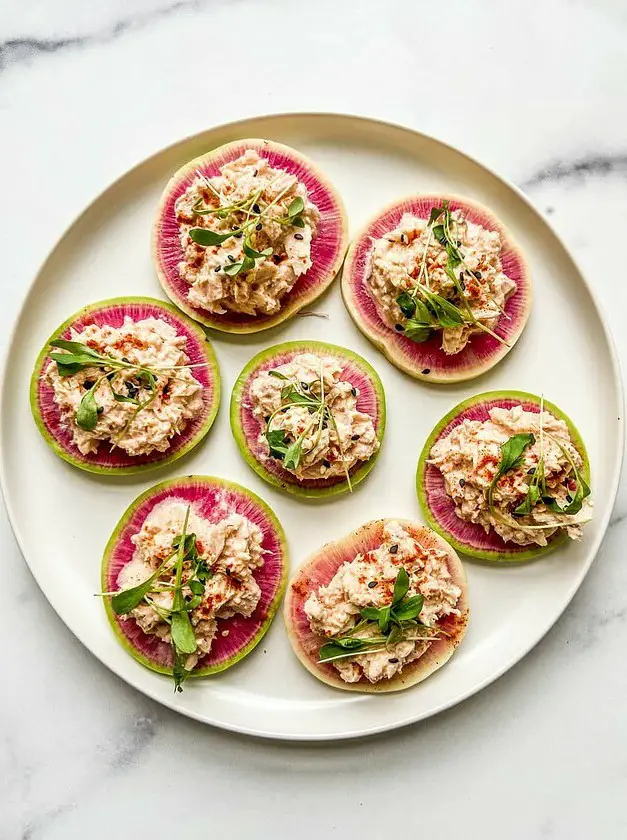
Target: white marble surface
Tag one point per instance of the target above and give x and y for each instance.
(534, 90)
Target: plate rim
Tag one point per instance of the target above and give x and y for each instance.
(614, 480)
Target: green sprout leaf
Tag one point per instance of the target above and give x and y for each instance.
(384, 618)
(293, 454)
(249, 251)
(401, 585)
(82, 359)
(87, 412)
(446, 313)
(296, 206)
(197, 587)
(123, 398)
(407, 304)
(234, 268)
(76, 347)
(418, 332)
(435, 214)
(179, 671)
(512, 452)
(531, 499)
(371, 613)
(277, 443)
(206, 237)
(123, 602)
(182, 632)
(512, 457)
(409, 609)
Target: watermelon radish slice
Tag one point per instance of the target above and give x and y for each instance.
(247, 429)
(328, 247)
(213, 499)
(46, 411)
(318, 571)
(439, 509)
(427, 360)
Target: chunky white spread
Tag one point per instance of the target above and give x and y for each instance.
(231, 548)
(266, 194)
(177, 396)
(469, 456)
(402, 256)
(331, 447)
(368, 581)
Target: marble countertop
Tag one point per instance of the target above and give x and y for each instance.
(537, 93)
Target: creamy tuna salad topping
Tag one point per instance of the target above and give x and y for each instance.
(309, 418)
(186, 574)
(442, 275)
(246, 236)
(131, 386)
(517, 472)
(380, 611)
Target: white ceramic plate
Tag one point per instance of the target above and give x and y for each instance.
(62, 517)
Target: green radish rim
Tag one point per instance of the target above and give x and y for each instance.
(357, 367)
(273, 535)
(518, 554)
(187, 441)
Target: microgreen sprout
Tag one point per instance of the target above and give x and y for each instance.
(395, 622)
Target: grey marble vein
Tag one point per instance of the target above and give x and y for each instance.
(590, 166)
(124, 751)
(19, 50)
(134, 739)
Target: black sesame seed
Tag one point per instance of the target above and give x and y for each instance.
(267, 418)
(459, 244)
(393, 661)
(426, 371)
(238, 235)
(88, 384)
(227, 571)
(478, 275)
(218, 268)
(258, 226)
(132, 390)
(393, 549)
(100, 409)
(326, 463)
(255, 173)
(355, 437)
(372, 584)
(276, 258)
(298, 236)
(231, 258)
(256, 208)
(462, 482)
(354, 391)
(124, 359)
(399, 328)
(531, 471)
(304, 386)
